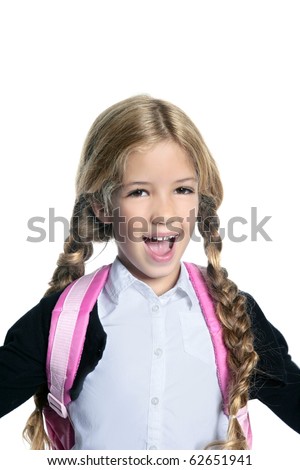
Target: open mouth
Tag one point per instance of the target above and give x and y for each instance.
(160, 248)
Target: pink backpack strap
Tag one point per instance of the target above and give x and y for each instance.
(215, 329)
(68, 327)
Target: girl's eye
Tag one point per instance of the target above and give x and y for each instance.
(137, 193)
(183, 190)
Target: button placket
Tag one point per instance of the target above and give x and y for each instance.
(157, 378)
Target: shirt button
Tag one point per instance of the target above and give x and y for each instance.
(152, 448)
(158, 352)
(155, 308)
(155, 401)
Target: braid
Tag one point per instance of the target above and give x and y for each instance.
(78, 247)
(34, 432)
(231, 310)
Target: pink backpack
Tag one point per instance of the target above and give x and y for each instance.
(70, 319)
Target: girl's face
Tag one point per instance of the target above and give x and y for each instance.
(155, 213)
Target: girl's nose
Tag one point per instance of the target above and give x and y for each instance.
(162, 210)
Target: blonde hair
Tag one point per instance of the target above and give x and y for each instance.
(132, 123)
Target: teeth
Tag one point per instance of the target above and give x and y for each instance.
(162, 239)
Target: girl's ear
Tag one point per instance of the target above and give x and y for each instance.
(99, 212)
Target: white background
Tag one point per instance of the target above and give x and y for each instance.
(233, 66)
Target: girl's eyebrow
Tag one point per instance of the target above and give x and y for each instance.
(139, 183)
(134, 183)
(183, 180)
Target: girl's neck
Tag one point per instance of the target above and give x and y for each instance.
(160, 285)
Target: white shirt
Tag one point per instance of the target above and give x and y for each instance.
(156, 385)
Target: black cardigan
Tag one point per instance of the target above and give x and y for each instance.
(276, 383)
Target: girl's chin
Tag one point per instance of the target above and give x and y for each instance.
(149, 268)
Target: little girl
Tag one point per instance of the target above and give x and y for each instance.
(147, 378)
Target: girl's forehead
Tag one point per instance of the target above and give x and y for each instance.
(163, 158)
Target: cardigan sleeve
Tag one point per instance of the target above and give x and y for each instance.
(276, 381)
(23, 356)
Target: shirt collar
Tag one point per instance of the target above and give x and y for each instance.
(120, 279)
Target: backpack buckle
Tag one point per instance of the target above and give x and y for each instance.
(57, 406)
